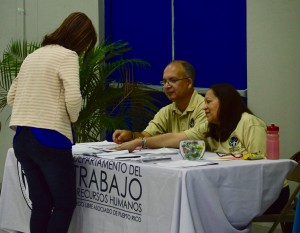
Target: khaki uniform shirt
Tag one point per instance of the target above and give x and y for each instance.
(248, 137)
(171, 119)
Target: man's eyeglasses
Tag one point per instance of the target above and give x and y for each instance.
(229, 154)
(171, 81)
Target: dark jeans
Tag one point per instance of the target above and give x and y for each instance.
(51, 181)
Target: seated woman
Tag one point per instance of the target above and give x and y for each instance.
(230, 128)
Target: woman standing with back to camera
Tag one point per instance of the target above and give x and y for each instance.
(46, 100)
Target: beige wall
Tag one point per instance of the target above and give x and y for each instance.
(273, 37)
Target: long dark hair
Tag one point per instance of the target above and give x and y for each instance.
(231, 108)
(76, 33)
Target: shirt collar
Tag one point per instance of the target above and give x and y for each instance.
(191, 106)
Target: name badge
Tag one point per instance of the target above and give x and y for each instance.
(192, 123)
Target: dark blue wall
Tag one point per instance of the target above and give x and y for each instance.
(211, 34)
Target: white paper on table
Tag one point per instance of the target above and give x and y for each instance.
(91, 147)
(81, 150)
(101, 144)
(116, 154)
(224, 158)
(157, 151)
(185, 163)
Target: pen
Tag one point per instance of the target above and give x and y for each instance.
(128, 157)
(151, 159)
(88, 154)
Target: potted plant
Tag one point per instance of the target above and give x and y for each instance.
(111, 97)
(13, 57)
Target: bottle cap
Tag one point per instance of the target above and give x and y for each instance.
(273, 128)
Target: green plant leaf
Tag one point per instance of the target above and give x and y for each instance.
(111, 97)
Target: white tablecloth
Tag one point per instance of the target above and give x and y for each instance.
(121, 196)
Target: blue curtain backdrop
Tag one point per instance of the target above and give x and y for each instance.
(146, 26)
(209, 34)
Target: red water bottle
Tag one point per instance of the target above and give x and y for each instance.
(272, 142)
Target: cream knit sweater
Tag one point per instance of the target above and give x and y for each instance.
(46, 92)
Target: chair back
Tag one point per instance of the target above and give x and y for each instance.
(296, 156)
(295, 174)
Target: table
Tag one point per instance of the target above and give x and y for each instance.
(129, 197)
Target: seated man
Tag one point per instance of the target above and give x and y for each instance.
(185, 111)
